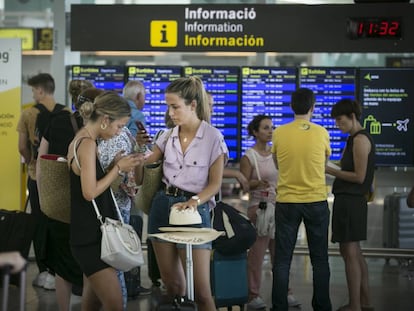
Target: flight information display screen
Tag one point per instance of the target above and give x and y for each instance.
(155, 80)
(387, 97)
(108, 78)
(223, 84)
(265, 90)
(329, 85)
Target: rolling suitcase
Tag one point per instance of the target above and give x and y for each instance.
(398, 222)
(184, 303)
(5, 273)
(229, 280)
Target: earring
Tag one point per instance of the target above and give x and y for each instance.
(103, 126)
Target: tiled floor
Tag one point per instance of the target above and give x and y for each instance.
(392, 289)
(392, 284)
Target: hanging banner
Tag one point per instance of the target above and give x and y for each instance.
(10, 107)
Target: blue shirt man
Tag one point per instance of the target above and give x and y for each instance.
(134, 93)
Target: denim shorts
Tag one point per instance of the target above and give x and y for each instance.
(160, 213)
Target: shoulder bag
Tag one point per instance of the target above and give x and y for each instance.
(151, 183)
(54, 184)
(120, 245)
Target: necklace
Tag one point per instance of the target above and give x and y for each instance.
(185, 139)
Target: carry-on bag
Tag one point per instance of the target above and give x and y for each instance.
(398, 222)
(16, 231)
(5, 272)
(229, 280)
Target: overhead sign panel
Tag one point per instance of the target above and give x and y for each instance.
(240, 28)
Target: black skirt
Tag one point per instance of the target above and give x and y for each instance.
(58, 255)
(89, 258)
(349, 218)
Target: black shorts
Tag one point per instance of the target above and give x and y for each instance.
(349, 218)
(89, 258)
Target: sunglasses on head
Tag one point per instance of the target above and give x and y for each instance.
(83, 99)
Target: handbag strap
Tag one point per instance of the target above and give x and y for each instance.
(255, 164)
(75, 126)
(95, 206)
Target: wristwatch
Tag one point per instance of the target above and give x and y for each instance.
(196, 198)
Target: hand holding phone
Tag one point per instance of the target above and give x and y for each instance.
(142, 136)
(140, 126)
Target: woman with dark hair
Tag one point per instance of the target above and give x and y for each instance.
(258, 168)
(352, 183)
(58, 257)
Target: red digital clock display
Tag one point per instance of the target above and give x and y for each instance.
(374, 27)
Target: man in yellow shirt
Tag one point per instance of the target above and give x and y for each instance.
(300, 151)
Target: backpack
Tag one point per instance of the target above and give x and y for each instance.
(42, 123)
(240, 233)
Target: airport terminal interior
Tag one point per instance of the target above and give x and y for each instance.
(391, 264)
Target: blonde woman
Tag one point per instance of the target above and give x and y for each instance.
(194, 156)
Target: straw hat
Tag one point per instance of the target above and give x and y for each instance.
(187, 235)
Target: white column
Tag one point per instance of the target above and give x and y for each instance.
(62, 56)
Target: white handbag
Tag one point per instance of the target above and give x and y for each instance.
(265, 221)
(120, 245)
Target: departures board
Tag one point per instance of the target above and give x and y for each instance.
(265, 90)
(155, 80)
(330, 84)
(387, 97)
(223, 85)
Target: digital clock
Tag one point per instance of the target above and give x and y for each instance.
(374, 27)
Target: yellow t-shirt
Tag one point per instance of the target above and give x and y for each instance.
(301, 148)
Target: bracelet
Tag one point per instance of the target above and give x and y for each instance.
(141, 149)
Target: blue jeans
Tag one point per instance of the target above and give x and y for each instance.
(316, 219)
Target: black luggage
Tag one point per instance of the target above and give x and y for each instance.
(229, 280)
(16, 234)
(5, 274)
(133, 277)
(16, 231)
(398, 222)
(183, 303)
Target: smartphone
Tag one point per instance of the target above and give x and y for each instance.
(141, 128)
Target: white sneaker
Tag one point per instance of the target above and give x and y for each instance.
(292, 301)
(256, 303)
(40, 279)
(49, 282)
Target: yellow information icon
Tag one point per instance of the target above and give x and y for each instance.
(163, 33)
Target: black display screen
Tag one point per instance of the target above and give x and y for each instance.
(108, 78)
(387, 97)
(155, 80)
(329, 85)
(265, 90)
(223, 84)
